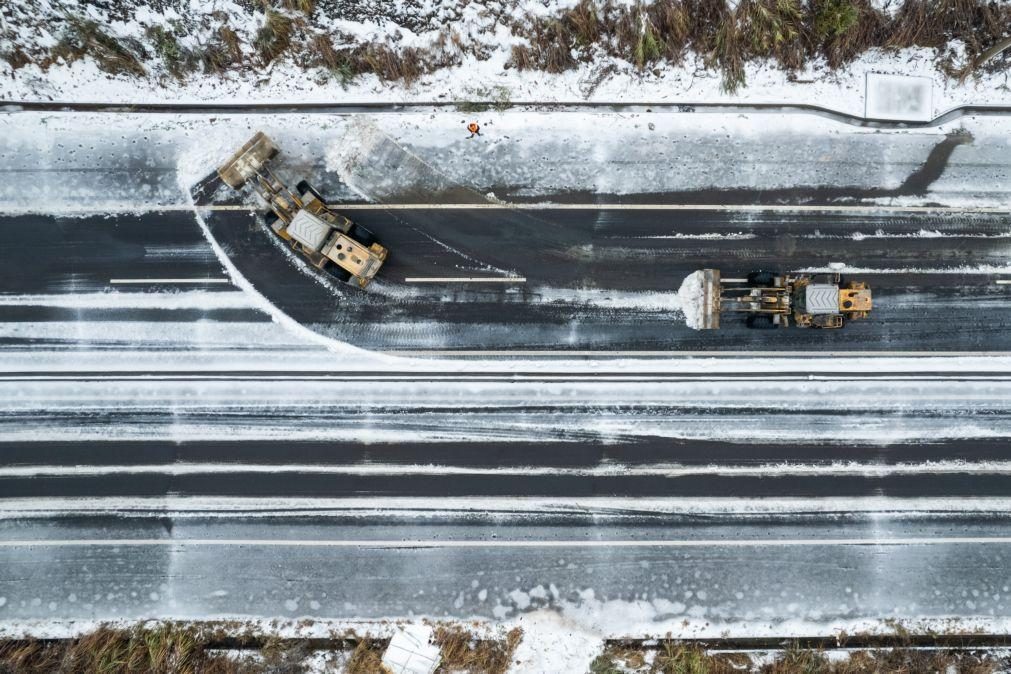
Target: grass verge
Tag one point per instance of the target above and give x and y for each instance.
(969, 37)
(673, 657)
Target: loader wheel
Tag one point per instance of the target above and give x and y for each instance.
(761, 322)
(305, 188)
(362, 235)
(761, 279)
(270, 218)
(339, 273)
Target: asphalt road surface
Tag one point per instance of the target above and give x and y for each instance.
(731, 573)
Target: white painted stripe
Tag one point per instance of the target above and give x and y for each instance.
(115, 209)
(254, 376)
(465, 279)
(430, 543)
(499, 206)
(1003, 282)
(984, 270)
(605, 470)
(510, 506)
(138, 281)
(675, 354)
(191, 298)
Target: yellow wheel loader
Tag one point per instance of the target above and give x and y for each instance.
(327, 239)
(769, 300)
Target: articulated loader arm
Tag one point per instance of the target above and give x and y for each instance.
(248, 162)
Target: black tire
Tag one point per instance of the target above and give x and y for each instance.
(761, 279)
(339, 273)
(761, 322)
(305, 188)
(270, 218)
(362, 235)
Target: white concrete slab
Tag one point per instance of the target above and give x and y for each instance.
(899, 97)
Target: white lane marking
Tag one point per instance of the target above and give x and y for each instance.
(253, 376)
(190, 298)
(113, 209)
(605, 470)
(465, 279)
(1003, 281)
(509, 506)
(677, 355)
(668, 207)
(982, 270)
(406, 544)
(138, 281)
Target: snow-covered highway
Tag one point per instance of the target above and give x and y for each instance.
(194, 424)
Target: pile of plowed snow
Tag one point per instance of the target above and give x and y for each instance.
(690, 298)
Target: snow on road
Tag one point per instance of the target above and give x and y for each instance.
(80, 370)
(75, 160)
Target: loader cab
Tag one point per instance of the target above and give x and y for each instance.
(826, 302)
(353, 257)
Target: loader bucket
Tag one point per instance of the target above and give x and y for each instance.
(710, 299)
(248, 161)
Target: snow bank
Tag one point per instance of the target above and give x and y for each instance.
(421, 156)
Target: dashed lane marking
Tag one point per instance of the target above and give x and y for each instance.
(142, 281)
(465, 279)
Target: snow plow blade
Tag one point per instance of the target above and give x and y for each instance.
(248, 161)
(710, 299)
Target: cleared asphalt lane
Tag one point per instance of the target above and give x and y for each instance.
(591, 279)
(607, 278)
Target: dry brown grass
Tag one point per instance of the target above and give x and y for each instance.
(775, 29)
(406, 65)
(304, 6)
(914, 26)
(178, 60)
(367, 658)
(274, 36)
(462, 652)
(16, 58)
(322, 45)
(166, 648)
(904, 660)
(841, 30)
(672, 22)
(550, 48)
(231, 42)
(729, 55)
(790, 32)
(83, 37)
(647, 34)
(224, 51)
(674, 657)
(169, 648)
